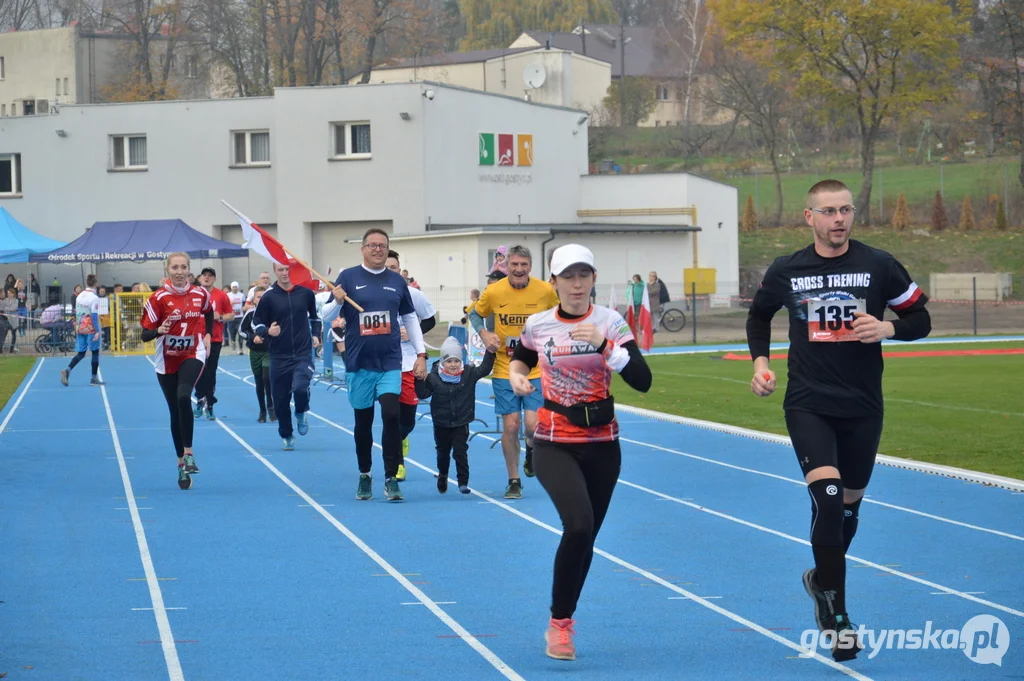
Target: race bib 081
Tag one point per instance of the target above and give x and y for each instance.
(831, 321)
(375, 323)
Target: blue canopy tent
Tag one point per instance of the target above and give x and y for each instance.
(18, 242)
(139, 240)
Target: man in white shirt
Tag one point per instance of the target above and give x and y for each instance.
(237, 299)
(407, 400)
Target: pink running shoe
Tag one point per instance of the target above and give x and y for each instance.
(559, 639)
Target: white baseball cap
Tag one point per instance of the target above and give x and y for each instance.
(566, 256)
(234, 284)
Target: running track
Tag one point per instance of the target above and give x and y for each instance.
(269, 567)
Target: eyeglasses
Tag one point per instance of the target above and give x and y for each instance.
(376, 247)
(831, 212)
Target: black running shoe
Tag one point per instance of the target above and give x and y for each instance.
(847, 644)
(818, 596)
(262, 418)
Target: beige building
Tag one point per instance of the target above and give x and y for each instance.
(643, 55)
(42, 69)
(536, 74)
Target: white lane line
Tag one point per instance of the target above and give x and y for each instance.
(867, 563)
(163, 624)
(645, 573)
(421, 597)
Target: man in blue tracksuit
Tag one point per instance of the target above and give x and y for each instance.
(287, 320)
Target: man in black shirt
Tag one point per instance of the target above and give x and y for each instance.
(836, 291)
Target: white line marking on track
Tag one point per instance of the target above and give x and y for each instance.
(649, 575)
(438, 612)
(867, 563)
(21, 395)
(163, 624)
(803, 484)
(795, 481)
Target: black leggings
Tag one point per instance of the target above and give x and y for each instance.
(580, 479)
(177, 389)
(80, 356)
(849, 444)
(391, 442)
(406, 419)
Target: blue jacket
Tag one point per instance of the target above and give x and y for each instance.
(295, 312)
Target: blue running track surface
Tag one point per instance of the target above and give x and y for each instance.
(269, 568)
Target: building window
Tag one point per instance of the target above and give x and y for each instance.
(192, 67)
(351, 140)
(128, 152)
(3, 111)
(252, 148)
(10, 174)
(65, 86)
(28, 108)
(14, 108)
(3, 71)
(661, 93)
(56, 89)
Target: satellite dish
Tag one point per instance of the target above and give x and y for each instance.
(534, 76)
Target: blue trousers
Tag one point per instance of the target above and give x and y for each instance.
(289, 377)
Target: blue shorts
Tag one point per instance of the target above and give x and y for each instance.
(507, 402)
(365, 386)
(84, 342)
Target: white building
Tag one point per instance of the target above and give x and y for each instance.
(450, 173)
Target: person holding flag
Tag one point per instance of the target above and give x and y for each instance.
(287, 315)
(287, 323)
(373, 361)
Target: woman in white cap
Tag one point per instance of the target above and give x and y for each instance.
(576, 453)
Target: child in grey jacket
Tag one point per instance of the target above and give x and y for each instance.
(451, 387)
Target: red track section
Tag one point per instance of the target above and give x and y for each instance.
(907, 353)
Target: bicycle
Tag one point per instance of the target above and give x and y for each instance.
(673, 319)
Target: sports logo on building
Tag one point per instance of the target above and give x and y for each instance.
(504, 149)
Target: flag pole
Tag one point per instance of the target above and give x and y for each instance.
(300, 261)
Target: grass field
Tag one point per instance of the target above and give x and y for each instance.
(12, 372)
(979, 179)
(966, 411)
(953, 251)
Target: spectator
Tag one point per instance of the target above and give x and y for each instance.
(499, 264)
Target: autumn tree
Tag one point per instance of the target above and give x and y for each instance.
(156, 30)
(1003, 72)
(901, 216)
(748, 223)
(966, 215)
(939, 218)
(865, 60)
(497, 23)
(683, 30)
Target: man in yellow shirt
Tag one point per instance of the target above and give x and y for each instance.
(511, 301)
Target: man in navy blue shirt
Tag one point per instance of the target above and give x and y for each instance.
(373, 360)
(287, 315)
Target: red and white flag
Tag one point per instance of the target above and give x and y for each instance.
(642, 327)
(255, 239)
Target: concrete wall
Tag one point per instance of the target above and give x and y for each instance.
(458, 190)
(68, 184)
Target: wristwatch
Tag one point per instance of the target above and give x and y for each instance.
(422, 355)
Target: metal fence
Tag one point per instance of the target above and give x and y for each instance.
(693, 319)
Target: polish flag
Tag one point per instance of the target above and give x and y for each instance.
(645, 323)
(257, 240)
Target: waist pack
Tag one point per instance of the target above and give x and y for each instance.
(586, 414)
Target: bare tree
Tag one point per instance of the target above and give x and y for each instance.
(748, 89)
(683, 28)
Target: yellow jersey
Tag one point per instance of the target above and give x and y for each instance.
(510, 307)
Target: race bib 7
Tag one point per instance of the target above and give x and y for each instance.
(375, 323)
(831, 321)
